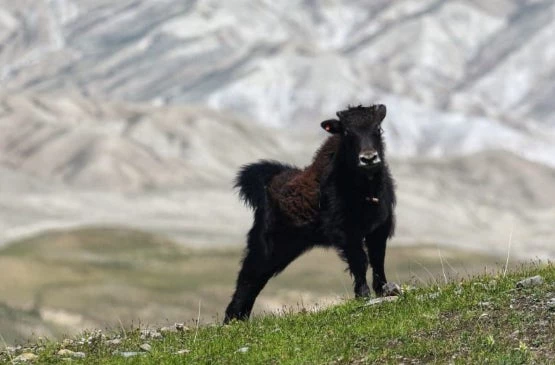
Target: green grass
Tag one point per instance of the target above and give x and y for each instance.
(485, 319)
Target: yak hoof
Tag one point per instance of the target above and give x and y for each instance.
(391, 289)
(362, 292)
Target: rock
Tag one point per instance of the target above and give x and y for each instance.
(181, 327)
(551, 303)
(183, 352)
(168, 329)
(26, 357)
(243, 350)
(530, 282)
(145, 334)
(146, 347)
(76, 355)
(485, 304)
(391, 289)
(65, 352)
(381, 300)
(114, 342)
(130, 353)
(79, 355)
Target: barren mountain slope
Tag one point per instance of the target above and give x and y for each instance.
(491, 63)
(70, 161)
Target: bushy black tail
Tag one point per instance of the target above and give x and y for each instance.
(253, 178)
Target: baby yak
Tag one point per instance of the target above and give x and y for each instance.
(345, 199)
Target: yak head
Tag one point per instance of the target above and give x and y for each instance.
(361, 136)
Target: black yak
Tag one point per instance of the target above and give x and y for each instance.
(345, 199)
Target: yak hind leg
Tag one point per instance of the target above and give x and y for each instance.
(258, 267)
(253, 276)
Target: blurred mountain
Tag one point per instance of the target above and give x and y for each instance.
(138, 113)
(103, 145)
(70, 162)
(454, 74)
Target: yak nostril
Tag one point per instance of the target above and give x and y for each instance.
(365, 160)
(369, 159)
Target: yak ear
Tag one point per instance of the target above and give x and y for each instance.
(332, 126)
(379, 111)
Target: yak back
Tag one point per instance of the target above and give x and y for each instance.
(297, 192)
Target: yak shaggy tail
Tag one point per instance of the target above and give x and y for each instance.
(252, 180)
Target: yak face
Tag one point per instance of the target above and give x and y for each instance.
(361, 136)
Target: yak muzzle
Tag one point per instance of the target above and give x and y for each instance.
(369, 159)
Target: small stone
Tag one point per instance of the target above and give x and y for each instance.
(79, 355)
(530, 282)
(146, 347)
(76, 355)
(484, 315)
(26, 357)
(156, 335)
(145, 334)
(485, 304)
(181, 327)
(243, 350)
(168, 329)
(130, 353)
(391, 289)
(551, 303)
(65, 352)
(114, 342)
(381, 300)
(183, 352)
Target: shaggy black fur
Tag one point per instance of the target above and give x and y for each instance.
(345, 199)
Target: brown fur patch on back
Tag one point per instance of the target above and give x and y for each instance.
(297, 192)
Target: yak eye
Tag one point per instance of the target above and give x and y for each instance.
(345, 132)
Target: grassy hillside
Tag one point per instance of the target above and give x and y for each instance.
(64, 281)
(487, 319)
